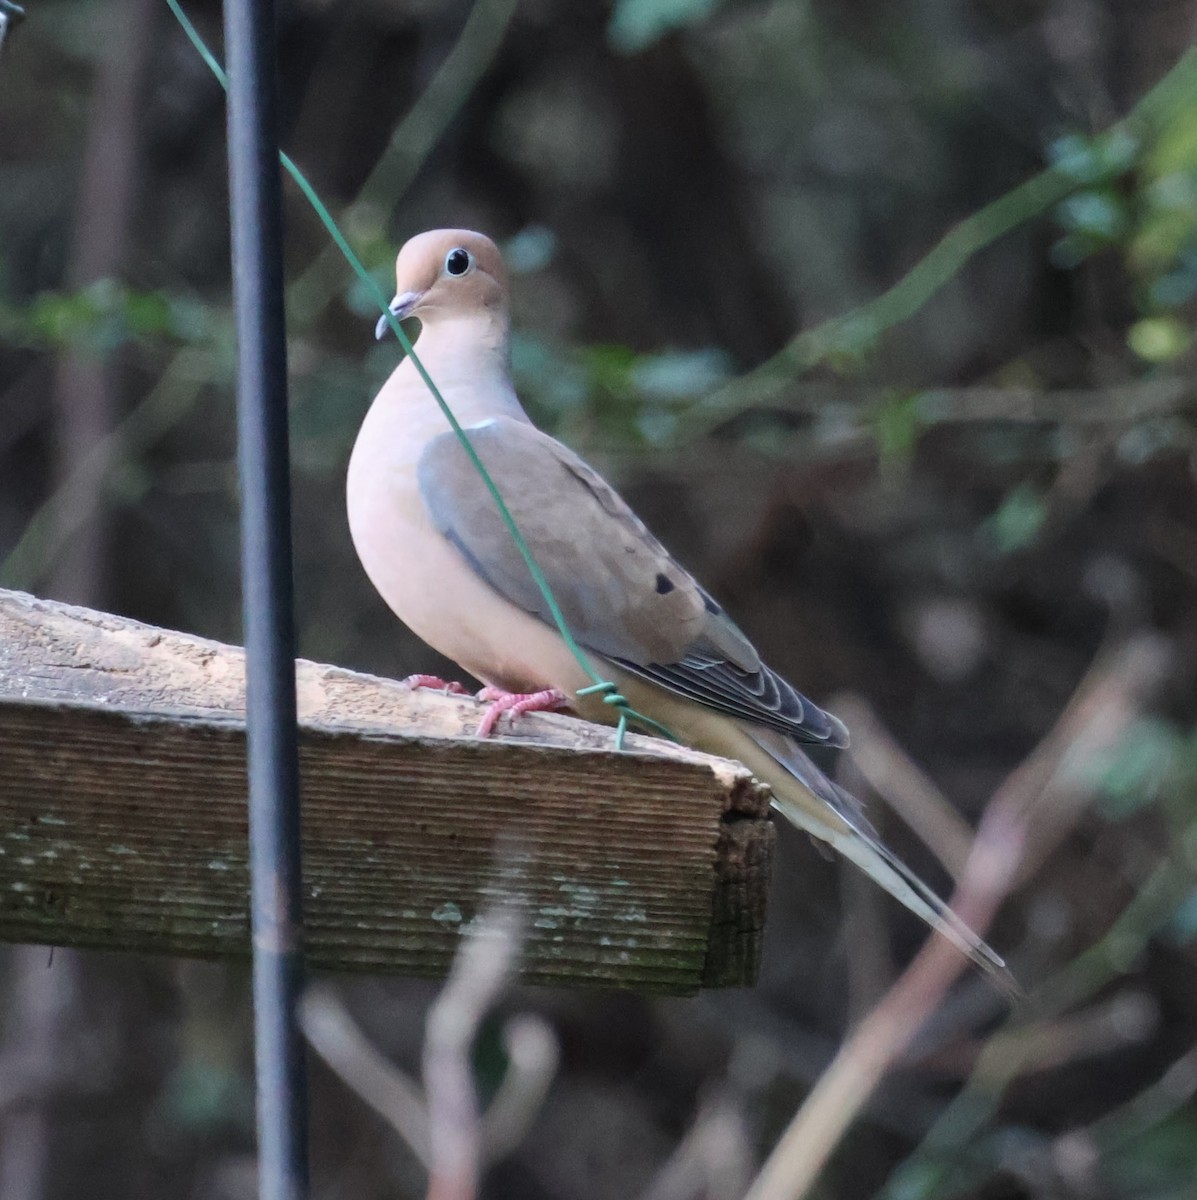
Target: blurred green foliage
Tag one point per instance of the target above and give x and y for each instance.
(1158, 1162)
(1018, 519)
(107, 314)
(637, 24)
(1139, 200)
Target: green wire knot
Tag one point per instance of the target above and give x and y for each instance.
(611, 695)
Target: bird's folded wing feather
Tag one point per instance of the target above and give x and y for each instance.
(620, 592)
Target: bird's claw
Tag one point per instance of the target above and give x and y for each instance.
(436, 683)
(516, 703)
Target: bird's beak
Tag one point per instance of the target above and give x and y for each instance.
(400, 307)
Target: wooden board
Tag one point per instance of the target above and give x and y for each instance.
(123, 822)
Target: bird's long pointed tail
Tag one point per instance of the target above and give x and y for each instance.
(803, 795)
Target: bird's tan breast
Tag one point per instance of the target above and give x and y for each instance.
(423, 578)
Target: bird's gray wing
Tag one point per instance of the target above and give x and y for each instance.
(620, 592)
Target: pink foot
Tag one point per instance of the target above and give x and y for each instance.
(516, 703)
(437, 683)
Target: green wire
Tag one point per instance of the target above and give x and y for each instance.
(606, 687)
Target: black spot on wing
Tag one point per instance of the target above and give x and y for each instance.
(664, 585)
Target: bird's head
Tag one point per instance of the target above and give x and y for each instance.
(446, 274)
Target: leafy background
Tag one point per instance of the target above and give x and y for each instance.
(946, 505)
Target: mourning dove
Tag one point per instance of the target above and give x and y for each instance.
(432, 542)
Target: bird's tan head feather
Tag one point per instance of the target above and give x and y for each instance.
(447, 273)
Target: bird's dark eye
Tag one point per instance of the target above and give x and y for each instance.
(458, 262)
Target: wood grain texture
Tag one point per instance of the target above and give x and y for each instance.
(123, 823)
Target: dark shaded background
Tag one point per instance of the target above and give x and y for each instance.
(680, 188)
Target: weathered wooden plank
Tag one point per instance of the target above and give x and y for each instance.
(122, 817)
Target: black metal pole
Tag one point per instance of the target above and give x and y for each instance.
(255, 200)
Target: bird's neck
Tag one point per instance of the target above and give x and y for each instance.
(469, 359)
